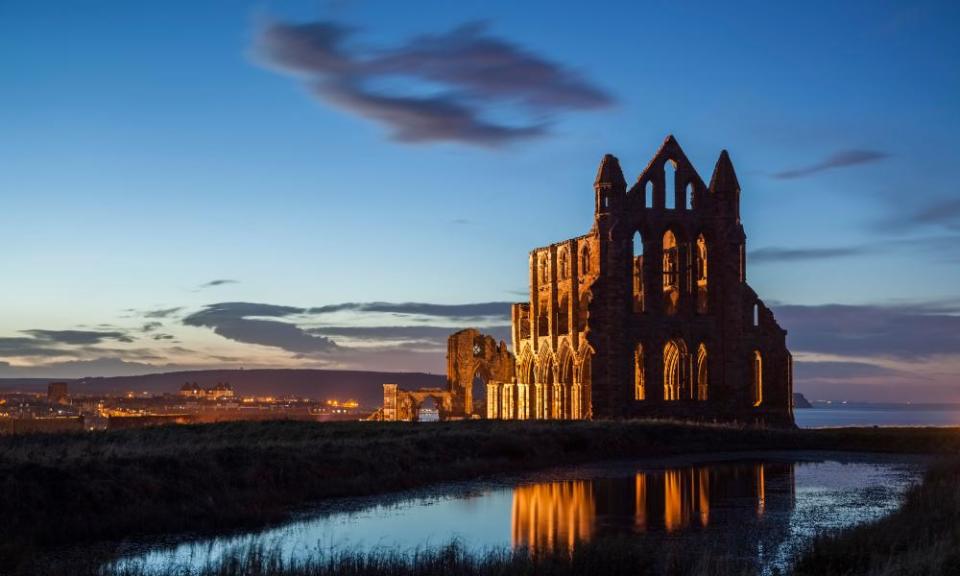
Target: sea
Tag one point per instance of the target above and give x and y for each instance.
(846, 414)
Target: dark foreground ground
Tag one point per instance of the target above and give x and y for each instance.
(83, 488)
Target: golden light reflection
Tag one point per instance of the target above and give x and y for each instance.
(704, 496)
(761, 490)
(640, 501)
(673, 505)
(553, 514)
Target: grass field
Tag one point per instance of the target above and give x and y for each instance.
(76, 488)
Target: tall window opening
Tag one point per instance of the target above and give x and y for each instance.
(674, 370)
(586, 400)
(543, 321)
(702, 373)
(585, 261)
(702, 298)
(756, 314)
(648, 194)
(671, 273)
(757, 378)
(670, 184)
(564, 265)
(638, 301)
(544, 271)
(688, 197)
(639, 375)
(566, 402)
(478, 394)
(563, 315)
(547, 390)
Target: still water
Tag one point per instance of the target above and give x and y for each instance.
(762, 507)
(875, 416)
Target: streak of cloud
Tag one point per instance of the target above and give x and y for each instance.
(841, 159)
(779, 254)
(443, 86)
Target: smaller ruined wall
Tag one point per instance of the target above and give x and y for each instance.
(471, 354)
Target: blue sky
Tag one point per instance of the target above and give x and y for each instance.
(150, 149)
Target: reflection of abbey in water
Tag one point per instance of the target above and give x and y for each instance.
(648, 314)
(559, 514)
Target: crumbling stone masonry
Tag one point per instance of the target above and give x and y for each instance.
(476, 363)
(649, 314)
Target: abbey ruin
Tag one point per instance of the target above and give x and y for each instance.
(649, 314)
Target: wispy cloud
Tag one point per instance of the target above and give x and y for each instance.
(456, 311)
(443, 87)
(307, 331)
(158, 312)
(943, 213)
(218, 282)
(780, 254)
(75, 337)
(245, 322)
(905, 331)
(942, 247)
(841, 159)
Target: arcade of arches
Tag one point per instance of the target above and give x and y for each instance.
(649, 314)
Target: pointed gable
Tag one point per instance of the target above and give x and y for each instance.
(724, 177)
(686, 174)
(609, 173)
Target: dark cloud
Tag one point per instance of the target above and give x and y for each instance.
(163, 337)
(941, 213)
(458, 311)
(907, 332)
(780, 254)
(159, 312)
(219, 282)
(839, 159)
(77, 337)
(436, 335)
(28, 347)
(239, 321)
(150, 326)
(945, 213)
(460, 75)
(288, 327)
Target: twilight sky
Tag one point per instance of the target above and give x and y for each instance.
(342, 184)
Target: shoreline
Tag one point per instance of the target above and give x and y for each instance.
(269, 473)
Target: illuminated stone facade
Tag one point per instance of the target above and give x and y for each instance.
(649, 314)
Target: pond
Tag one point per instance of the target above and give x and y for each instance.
(761, 506)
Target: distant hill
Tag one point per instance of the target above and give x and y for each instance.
(365, 387)
(800, 401)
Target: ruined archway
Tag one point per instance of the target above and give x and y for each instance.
(702, 374)
(478, 390)
(671, 273)
(565, 404)
(546, 387)
(639, 374)
(584, 383)
(702, 275)
(675, 370)
(473, 361)
(757, 378)
(428, 410)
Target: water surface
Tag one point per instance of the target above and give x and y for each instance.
(762, 507)
(821, 417)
